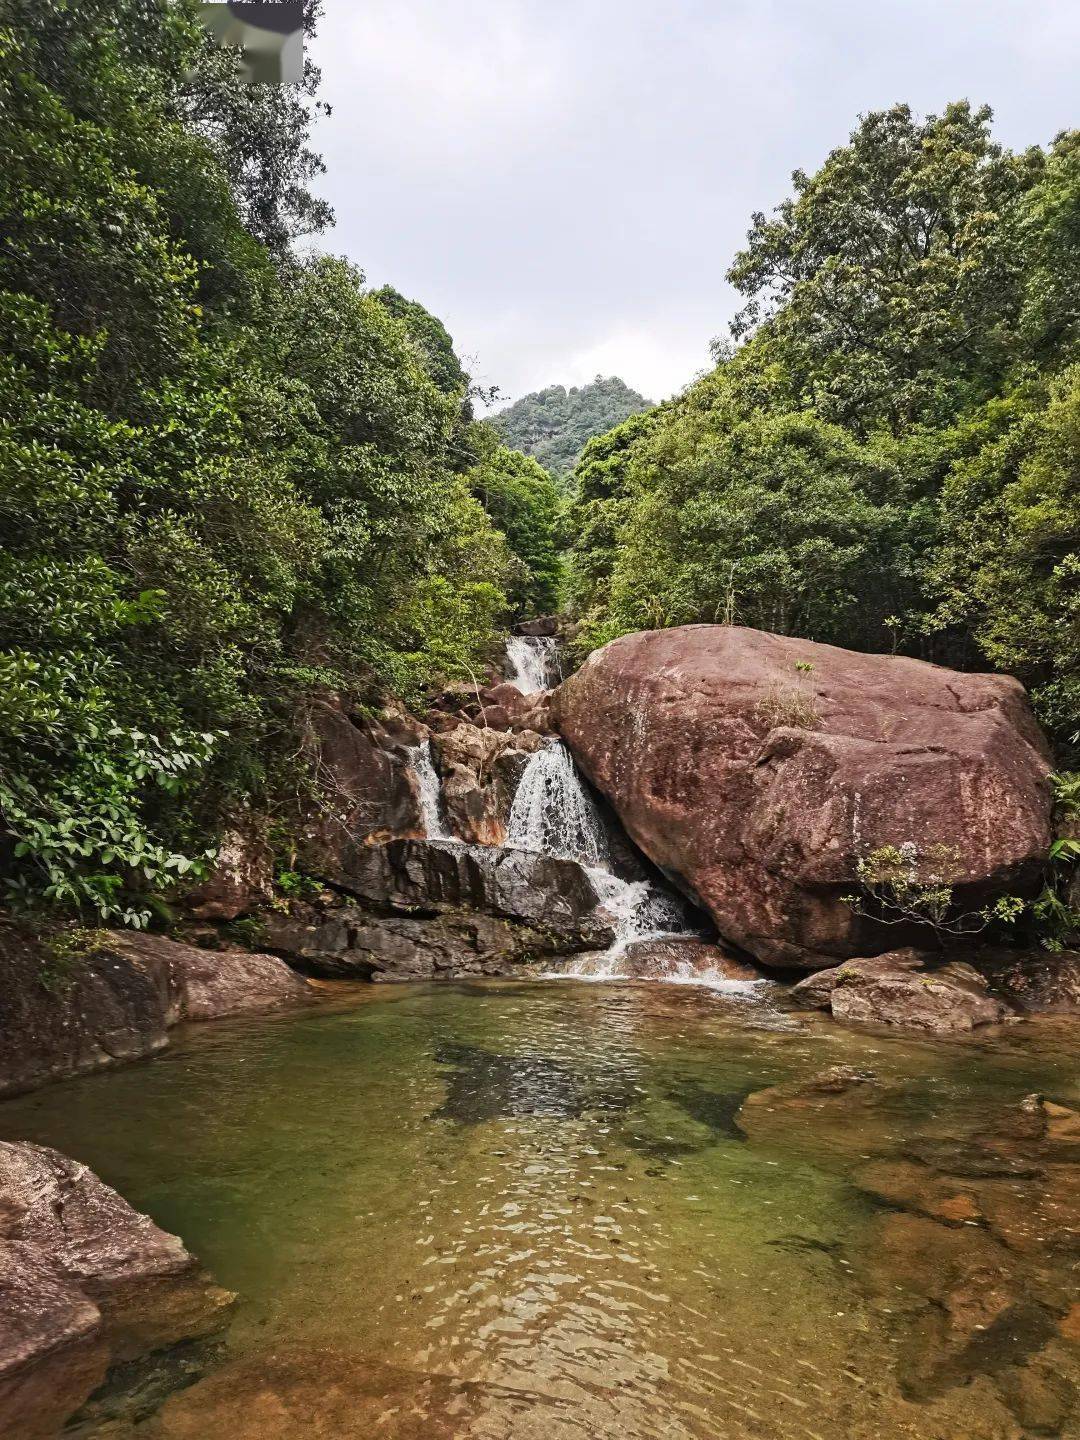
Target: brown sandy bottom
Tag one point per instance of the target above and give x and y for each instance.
(570, 1210)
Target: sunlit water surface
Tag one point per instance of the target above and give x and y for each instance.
(526, 1210)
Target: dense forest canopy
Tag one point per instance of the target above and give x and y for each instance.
(887, 455)
(554, 425)
(231, 476)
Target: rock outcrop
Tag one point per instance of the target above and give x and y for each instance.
(759, 770)
(479, 769)
(242, 876)
(85, 1280)
(437, 909)
(904, 988)
(117, 1000)
(363, 771)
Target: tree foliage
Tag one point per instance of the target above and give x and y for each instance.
(888, 456)
(227, 475)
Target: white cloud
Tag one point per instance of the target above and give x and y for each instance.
(565, 182)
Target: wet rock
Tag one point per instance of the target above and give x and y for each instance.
(214, 984)
(812, 757)
(544, 626)
(903, 988)
(53, 1352)
(87, 1278)
(242, 878)
(680, 958)
(1035, 982)
(435, 947)
(479, 770)
(433, 877)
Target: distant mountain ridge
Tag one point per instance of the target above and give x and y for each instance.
(554, 425)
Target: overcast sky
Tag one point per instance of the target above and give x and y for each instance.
(564, 184)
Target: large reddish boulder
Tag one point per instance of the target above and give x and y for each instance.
(759, 770)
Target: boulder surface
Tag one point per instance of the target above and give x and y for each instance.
(904, 988)
(84, 1280)
(760, 769)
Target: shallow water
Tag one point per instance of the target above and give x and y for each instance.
(531, 1211)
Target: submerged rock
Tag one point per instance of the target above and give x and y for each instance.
(85, 1279)
(838, 1111)
(680, 957)
(760, 769)
(903, 988)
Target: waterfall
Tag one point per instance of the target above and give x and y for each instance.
(553, 813)
(532, 662)
(435, 827)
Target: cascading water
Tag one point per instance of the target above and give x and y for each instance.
(435, 827)
(553, 813)
(532, 662)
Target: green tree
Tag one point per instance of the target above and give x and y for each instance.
(891, 284)
(523, 502)
(555, 424)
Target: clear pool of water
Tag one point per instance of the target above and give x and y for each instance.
(535, 1211)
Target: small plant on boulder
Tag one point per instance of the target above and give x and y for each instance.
(900, 884)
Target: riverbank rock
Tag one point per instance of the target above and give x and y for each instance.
(85, 1280)
(214, 984)
(1035, 982)
(903, 988)
(760, 769)
(114, 1000)
(53, 1352)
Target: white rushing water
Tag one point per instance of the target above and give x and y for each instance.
(554, 814)
(532, 662)
(435, 827)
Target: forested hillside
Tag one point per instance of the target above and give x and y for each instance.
(231, 477)
(887, 455)
(554, 425)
